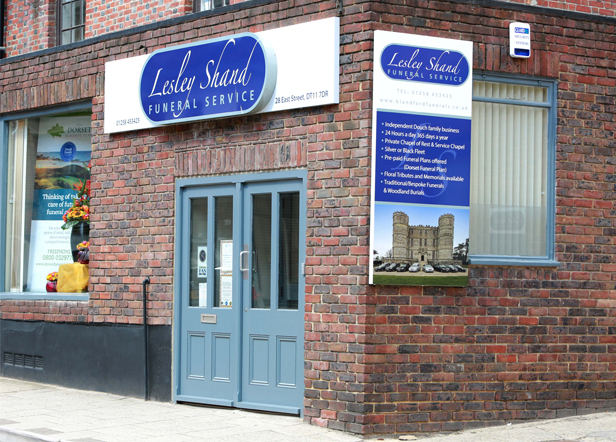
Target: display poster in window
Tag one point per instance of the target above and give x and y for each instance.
(62, 158)
(226, 273)
(226, 288)
(421, 158)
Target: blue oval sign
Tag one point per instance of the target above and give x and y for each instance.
(426, 65)
(68, 151)
(222, 77)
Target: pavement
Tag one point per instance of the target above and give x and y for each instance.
(31, 412)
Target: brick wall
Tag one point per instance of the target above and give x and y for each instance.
(103, 17)
(30, 25)
(599, 7)
(51, 311)
(519, 343)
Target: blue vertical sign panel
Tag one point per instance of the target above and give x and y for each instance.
(422, 159)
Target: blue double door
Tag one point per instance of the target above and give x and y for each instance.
(240, 310)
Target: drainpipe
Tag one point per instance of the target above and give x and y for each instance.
(2, 48)
(146, 281)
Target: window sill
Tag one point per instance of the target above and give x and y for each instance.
(45, 296)
(512, 261)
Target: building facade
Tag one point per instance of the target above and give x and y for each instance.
(423, 244)
(276, 205)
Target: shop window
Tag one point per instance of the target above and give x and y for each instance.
(46, 202)
(206, 5)
(71, 21)
(512, 172)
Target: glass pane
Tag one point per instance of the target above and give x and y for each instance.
(223, 254)
(288, 258)
(509, 167)
(66, 37)
(198, 253)
(77, 13)
(77, 34)
(261, 250)
(510, 91)
(48, 189)
(14, 244)
(205, 5)
(67, 13)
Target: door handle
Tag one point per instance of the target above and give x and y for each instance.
(241, 260)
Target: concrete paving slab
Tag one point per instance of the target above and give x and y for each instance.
(12, 435)
(83, 416)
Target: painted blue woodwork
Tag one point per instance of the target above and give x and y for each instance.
(259, 360)
(253, 356)
(196, 356)
(286, 370)
(221, 357)
(218, 384)
(276, 322)
(547, 260)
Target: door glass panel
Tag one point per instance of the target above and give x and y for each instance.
(261, 250)
(288, 259)
(198, 253)
(223, 255)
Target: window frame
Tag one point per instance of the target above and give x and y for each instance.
(4, 138)
(197, 6)
(59, 28)
(547, 260)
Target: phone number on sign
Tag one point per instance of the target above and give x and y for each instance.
(306, 96)
(125, 121)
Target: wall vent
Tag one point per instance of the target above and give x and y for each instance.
(25, 361)
(38, 363)
(28, 361)
(19, 360)
(9, 358)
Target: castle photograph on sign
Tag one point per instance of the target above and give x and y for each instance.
(424, 246)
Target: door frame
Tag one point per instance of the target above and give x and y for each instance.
(182, 221)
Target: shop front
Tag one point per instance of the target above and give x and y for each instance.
(223, 198)
(239, 255)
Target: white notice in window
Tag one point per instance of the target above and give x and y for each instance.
(226, 254)
(203, 294)
(226, 288)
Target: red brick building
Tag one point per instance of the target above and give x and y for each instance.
(532, 336)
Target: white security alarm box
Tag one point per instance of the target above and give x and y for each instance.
(519, 40)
